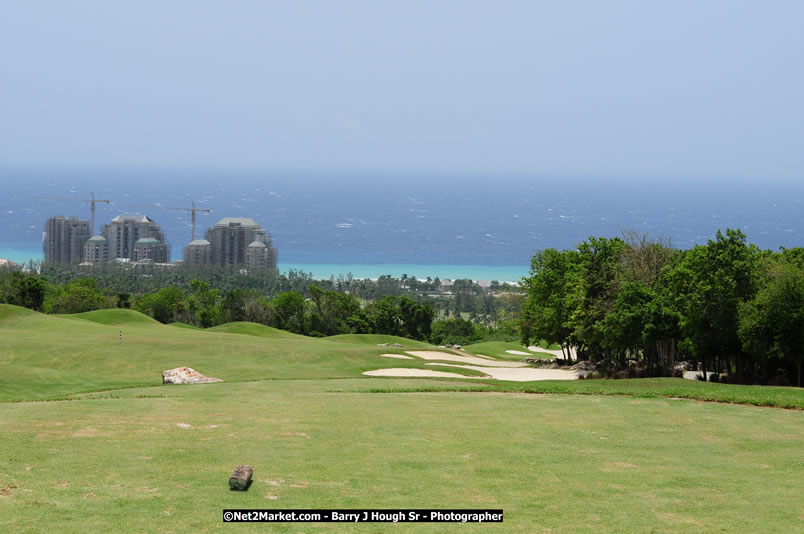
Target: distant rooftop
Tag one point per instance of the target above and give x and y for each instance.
(242, 221)
(133, 218)
(257, 244)
(97, 239)
(71, 218)
(200, 242)
(148, 241)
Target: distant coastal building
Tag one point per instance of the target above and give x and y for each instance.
(135, 236)
(446, 285)
(151, 250)
(233, 242)
(258, 256)
(96, 250)
(64, 238)
(198, 252)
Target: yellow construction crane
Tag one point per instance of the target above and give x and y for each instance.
(193, 210)
(91, 200)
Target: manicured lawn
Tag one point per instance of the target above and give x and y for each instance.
(580, 456)
(50, 357)
(127, 460)
(780, 397)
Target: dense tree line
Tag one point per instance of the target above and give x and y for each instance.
(177, 294)
(466, 295)
(728, 305)
(312, 310)
(34, 292)
(122, 278)
(323, 313)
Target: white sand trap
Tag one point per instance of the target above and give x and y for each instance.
(693, 375)
(416, 373)
(555, 352)
(518, 352)
(436, 355)
(519, 375)
(400, 356)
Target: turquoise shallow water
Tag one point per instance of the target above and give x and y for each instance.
(20, 255)
(501, 273)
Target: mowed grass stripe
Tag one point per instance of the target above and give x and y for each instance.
(770, 396)
(567, 463)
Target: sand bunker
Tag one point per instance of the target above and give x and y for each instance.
(518, 352)
(696, 375)
(416, 373)
(400, 356)
(472, 360)
(520, 375)
(554, 352)
(499, 370)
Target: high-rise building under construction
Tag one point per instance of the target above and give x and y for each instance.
(64, 238)
(136, 238)
(233, 242)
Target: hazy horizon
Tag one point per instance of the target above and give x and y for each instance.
(435, 132)
(683, 91)
(336, 218)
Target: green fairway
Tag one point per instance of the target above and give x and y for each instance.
(648, 388)
(130, 454)
(184, 325)
(50, 357)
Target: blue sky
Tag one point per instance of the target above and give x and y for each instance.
(683, 89)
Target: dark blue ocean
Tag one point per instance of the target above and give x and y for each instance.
(483, 227)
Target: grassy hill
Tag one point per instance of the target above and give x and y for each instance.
(47, 356)
(51, 356)
(251, 329)
(185, 325)
(129, 454)
(377, 339)
(115, 316)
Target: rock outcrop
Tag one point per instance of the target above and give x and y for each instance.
(186, 375)
(584, 365)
